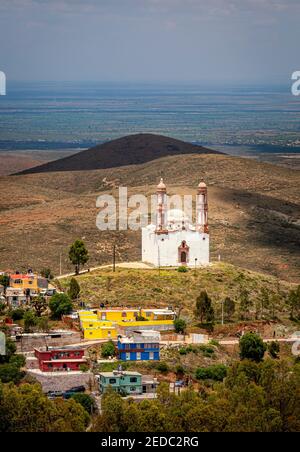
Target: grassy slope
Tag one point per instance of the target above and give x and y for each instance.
(171, 288)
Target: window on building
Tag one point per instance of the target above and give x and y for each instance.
(132, 389)
(127, 356)
(124, 314)
(133, 380)
(112, 381)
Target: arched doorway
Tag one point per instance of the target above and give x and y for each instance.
(183, 253)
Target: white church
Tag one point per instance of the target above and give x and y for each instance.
(173, 241)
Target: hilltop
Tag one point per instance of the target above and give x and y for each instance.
(129, 150)
(254, 212)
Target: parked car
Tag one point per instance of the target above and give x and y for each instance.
(51, 292)
(68, 394)
(54, 394)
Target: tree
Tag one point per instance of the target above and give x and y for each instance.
(74, 289)
(252, 347)
(274, 349)
(229, 308)
(204, 309)
(180, 326)
(4, 281)
(17, 314)
(78, 255)
(108, 349)
(47, 273)
(43, 324)
(10, 348)
(60, 304)
(86, 401)
(245, 303)
(294, 303)
(217, 372)
(39, 304)
(25, 408)
(30, 321)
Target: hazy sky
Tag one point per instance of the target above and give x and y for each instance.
(198, 40)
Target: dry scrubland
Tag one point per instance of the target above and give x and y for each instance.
(254, 212)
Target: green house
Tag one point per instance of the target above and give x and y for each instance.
(122, 382)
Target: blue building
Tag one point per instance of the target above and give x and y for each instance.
(139, 346)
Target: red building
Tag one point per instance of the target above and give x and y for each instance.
(59, 360)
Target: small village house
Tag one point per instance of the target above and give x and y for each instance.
(60, 359)
(30, 282)
(139, 346)
(15, 298)
(127, 383)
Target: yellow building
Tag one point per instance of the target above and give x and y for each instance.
(28, 281)
(93, 328)
(108, 323)
(118, 314)
(100, 332)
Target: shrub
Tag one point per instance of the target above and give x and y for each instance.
(180, 325)
(140, 318)
(252, 347)
(17, 314)
(217, 372)
(86, 401)
(274, 349)
(108, 349)
(207, 350)
(30, 320)
(162, 367)
(60, 304)
(182, 269)
(180, 370)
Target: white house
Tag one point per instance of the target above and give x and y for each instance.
(174, 241)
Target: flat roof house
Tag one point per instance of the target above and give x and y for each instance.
(28, 282)
(60, 359)
(127, 383)
(15, 297)
(139, 346)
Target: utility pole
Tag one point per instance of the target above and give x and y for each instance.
(158, 260)
(114, 258)
(222, 312)
(60, 269)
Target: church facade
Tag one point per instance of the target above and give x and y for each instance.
(174, 241)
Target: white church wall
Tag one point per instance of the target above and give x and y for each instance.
(162, 249)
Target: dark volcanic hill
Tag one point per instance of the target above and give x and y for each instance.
(129, 150)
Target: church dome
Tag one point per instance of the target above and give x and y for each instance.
(202, 184)
(161, 185)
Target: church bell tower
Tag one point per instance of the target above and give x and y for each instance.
(161, 210)
(202, 208)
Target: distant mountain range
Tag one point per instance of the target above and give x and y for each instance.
(129, 150)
